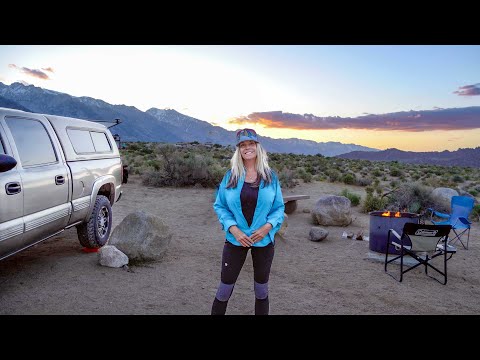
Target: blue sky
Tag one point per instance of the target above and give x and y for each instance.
(230, 85)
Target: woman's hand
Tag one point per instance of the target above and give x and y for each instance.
(261, 232)
(240, 236)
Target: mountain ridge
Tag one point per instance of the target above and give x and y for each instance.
(461, 157)
(154, 125)
(171, 126)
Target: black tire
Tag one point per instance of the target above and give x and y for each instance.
(95, 232)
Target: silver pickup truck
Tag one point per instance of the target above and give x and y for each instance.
(55, 172)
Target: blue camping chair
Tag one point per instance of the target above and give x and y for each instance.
(461, 207)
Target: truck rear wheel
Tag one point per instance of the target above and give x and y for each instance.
(95, 232)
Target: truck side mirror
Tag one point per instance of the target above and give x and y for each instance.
(7, 163)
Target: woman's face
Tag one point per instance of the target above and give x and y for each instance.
(248, 149)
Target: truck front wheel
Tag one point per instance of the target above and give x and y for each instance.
(95, 232)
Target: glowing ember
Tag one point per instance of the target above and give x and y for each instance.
(390, 214)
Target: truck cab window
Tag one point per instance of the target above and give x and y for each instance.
(81, 141)
(100, 141)
(33, 142)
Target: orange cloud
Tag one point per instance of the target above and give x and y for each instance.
(412, 121)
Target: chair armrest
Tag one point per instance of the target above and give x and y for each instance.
(464, 221)
(396, 234)
(441, 215)
(450, 248)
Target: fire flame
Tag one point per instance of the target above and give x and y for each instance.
(390, 214)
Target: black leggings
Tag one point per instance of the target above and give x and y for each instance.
(233, 258)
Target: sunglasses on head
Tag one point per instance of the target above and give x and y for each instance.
(246, 132)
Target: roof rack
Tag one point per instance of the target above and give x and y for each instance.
(115, 122)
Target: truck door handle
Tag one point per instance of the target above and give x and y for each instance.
(59, 180)
(13, 188)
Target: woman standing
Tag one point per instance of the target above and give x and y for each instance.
(250, 208)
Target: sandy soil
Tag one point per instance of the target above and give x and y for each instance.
(335, 276)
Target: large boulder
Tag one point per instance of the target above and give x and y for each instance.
(332, 210)
(462, 192)
(443, 198)
(141, 236)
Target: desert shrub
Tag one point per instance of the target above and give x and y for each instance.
(354, 198)
(154, 164)
(458, 179)
(412, 197)
(349, 179)
(176, 168)
(333, 175)
(286, 178)
(395, 172)
(433, 182)
(377, 173)
(363, 181)
(277, 166)
(306, 177)
(476, 212)
(196, 169)
(373, 203)
(152, 178)
(146, 150)
(133, 147)
(309, 169)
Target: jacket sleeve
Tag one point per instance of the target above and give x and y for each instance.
(276, 214)
(225, 215)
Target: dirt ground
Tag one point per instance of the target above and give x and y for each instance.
(335, 276)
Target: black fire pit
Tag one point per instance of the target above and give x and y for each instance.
(380, 224)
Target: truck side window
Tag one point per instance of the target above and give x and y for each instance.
(81, 141)
(33, 142)
(85, 141)
(100, 141)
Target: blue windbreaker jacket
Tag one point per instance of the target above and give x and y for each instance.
(270, 208)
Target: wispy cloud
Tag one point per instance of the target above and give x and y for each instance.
(413, 121)
(49, 69)
(454, 139)
(468, 90)
(39, 74)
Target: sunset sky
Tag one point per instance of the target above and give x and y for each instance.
(344, 93)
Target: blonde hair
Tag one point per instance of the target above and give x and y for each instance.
(261, 164)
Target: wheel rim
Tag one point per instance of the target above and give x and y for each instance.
(103, 221)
